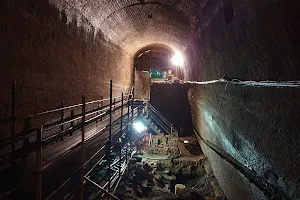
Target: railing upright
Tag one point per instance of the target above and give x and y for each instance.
(154, 115)
(127, 127)
(114, 105)
(13, 124)
(101, 107)
(39, 166)
(83, 112)
(109, 141)
(62, 113)
(72, 122)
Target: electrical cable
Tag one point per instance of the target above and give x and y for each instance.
(225, 79)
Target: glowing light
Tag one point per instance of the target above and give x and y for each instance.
(139, 126)
(177, 59)
(185, 142)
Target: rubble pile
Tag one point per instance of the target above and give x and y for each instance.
(194, 148)
(156, 179)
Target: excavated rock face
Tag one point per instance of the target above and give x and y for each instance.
(259, 127)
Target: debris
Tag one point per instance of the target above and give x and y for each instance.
(153, 177)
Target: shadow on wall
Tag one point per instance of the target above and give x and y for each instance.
(54, 56)
(172, 102)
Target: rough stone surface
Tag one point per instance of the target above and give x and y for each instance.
(260, 43)
(257, 126)
(53, 61)
(233, 183)
(126, 22)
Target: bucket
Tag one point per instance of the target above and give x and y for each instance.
(179, 188)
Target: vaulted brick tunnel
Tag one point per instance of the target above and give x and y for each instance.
(59, 50)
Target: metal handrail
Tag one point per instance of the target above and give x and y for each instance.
(80, 121)
(161, 125)
(100, 100)
(47, 127)
(78, 118)
(87, 122)
(7, 140)
(92, 157)
(102, 189)
(119, 103)
(67, 107)
(160, 117)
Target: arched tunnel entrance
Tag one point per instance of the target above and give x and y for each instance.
(161, 61)
(240, 76)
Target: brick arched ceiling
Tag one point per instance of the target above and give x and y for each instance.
(134, 24)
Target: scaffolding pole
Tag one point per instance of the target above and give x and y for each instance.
(109, 140)
(13, 125)
(121, 127)
(62, 114)
(127, 131)
(82, 145)
(39, 164)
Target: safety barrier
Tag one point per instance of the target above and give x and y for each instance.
(158, 119)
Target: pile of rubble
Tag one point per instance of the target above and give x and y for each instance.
(153, 179)
(194, 148)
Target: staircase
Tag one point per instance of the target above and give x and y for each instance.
(153, 126)
(158, 123)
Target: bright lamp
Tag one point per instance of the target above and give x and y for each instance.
(177, 59)
(139, 126)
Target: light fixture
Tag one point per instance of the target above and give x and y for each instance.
(139, 126)
(177, 59)
(185, 142)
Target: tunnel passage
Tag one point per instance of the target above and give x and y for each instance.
(59, 50)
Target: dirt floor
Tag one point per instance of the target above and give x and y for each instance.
(155, 176)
